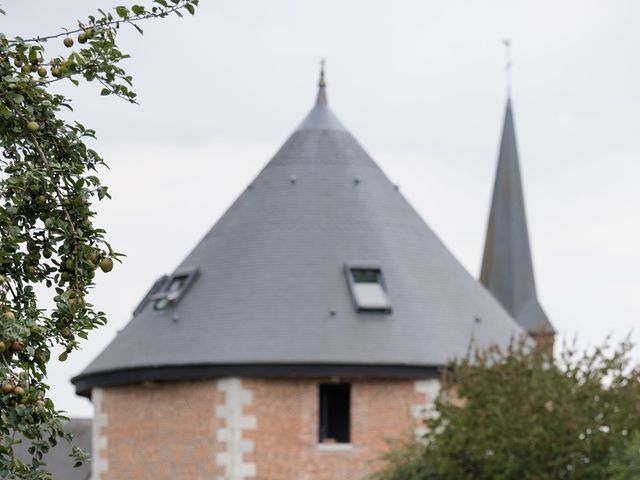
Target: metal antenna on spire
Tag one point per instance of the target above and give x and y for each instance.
(322, 94)
(507, 43)
(322, 82)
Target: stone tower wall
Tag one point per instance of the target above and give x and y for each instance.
(237, 429)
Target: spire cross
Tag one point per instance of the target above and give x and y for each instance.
(507, 43)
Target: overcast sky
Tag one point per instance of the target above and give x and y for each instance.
(421, 84)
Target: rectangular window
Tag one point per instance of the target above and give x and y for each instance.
(368, 289)
(335, 413)
(176, 286)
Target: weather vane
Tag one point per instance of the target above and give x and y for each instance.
(507, 43)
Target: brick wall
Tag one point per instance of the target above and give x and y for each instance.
(233, 429)
(160, 432)
(286, 440)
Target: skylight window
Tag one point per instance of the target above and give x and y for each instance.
(173, 289)
(155, 288)
(368, 289)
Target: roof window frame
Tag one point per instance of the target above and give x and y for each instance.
(157, 286)
(349, 269)
(171, 298)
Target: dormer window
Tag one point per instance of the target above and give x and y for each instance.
(173, 289)
(367, 288)
(155, 288)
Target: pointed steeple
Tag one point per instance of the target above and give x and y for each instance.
(507, 267)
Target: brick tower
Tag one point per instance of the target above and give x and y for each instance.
(305, 329)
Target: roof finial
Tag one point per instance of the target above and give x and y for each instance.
(322, 94)
(322, 83)
(507, 43)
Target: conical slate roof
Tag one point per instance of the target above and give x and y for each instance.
(272, 297)
(507, 267)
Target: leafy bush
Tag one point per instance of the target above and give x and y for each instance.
(625, 461)
(523, 414)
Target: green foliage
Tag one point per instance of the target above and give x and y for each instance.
(48, 186)
(625, 461)
(407, 461)
(522, 414)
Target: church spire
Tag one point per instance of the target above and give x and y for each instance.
(507, 267)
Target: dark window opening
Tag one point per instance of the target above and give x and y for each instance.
(362, 275)
(335, 413)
